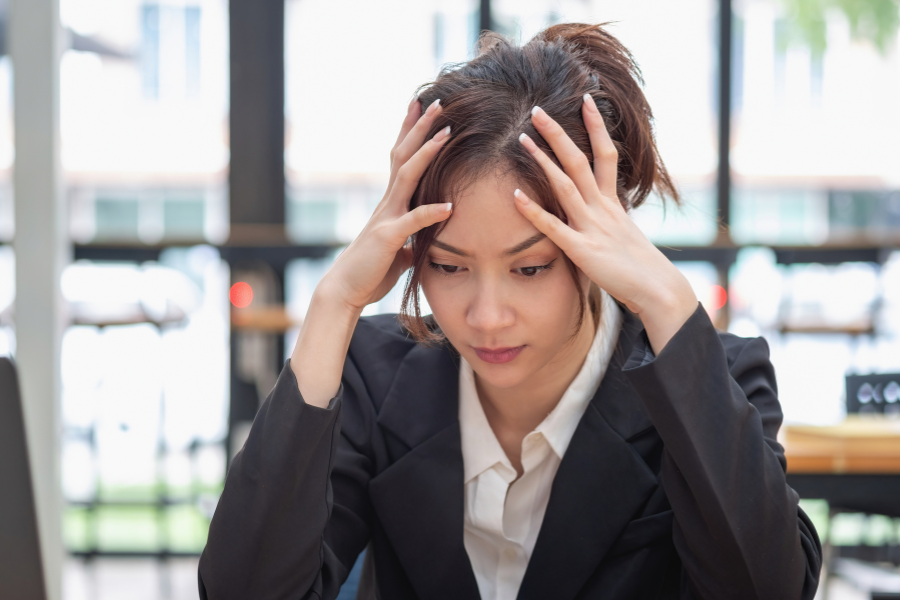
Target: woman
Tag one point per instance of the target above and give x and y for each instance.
(567, 424)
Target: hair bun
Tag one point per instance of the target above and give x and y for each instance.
(620, 98)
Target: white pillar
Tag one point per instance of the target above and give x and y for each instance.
(42, 249)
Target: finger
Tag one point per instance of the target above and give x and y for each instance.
(559, 233)
(421, 217)
(606, 157)
(566, 190)
(411, 171)
(412, 115)
(573, 160)
(416, 136)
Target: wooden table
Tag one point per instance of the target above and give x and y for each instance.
(267, 319)
(855, 466)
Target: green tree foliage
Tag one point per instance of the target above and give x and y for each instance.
(876, 21)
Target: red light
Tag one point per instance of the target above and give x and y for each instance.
(241, 294)
(718, 296)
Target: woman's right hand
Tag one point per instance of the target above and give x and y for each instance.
(371, 265)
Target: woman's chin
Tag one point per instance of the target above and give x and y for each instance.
(502, 376)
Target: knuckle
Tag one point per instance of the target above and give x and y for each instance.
(581, 161)
(403, 174)
(552, 224)
(567, 188)
(609, 152)
(401, 156)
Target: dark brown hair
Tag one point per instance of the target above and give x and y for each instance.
(487, 102)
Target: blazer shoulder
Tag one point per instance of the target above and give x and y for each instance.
(379, 345)
(739, 349)
(380, 333)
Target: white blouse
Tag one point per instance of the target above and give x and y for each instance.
(502, 518)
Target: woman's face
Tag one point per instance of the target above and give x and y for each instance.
(501, 291)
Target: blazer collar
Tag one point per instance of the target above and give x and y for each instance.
(602, 482)
(423, 399)
(424, 396)
(419, 499)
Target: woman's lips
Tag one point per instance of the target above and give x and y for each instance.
(498, 355)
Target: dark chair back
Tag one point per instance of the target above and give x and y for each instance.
(21, 571)
(873, 394)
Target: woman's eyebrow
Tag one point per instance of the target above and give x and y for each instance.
(449, 248)
(514, 250)
(525, 245)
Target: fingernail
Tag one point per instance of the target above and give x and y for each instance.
(523, 137)
(434, 106)
(536, 110)
(446, 207)
(520, 196)
(588, 99)
(441, 135)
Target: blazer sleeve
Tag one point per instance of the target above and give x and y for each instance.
(294, 514)
(738, 528)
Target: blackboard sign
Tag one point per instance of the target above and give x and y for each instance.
(873, 394)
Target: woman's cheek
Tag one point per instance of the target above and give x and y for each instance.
(551, 302)
(440, 297)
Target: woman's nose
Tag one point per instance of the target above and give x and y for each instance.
(488, 311)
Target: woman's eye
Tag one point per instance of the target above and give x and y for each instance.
(445, 269)
(532, 271)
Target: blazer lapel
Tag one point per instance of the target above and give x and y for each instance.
(419, 499)
(600, 485)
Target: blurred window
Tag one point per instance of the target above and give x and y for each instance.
(817, 140)
(144, 113)
(338, 140)
(144, 401)
(150, 50)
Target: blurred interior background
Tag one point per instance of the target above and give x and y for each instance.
(208, 160)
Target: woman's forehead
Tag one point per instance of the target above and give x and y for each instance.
(485, 220)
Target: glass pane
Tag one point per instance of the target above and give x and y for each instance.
(816, 133)
(816, 144)
(345, 101)
(144, 114)
(144, 399)
(821, 322)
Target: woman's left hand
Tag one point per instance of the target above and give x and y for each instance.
(600, 237)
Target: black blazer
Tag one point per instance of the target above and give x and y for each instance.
(673, 485)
